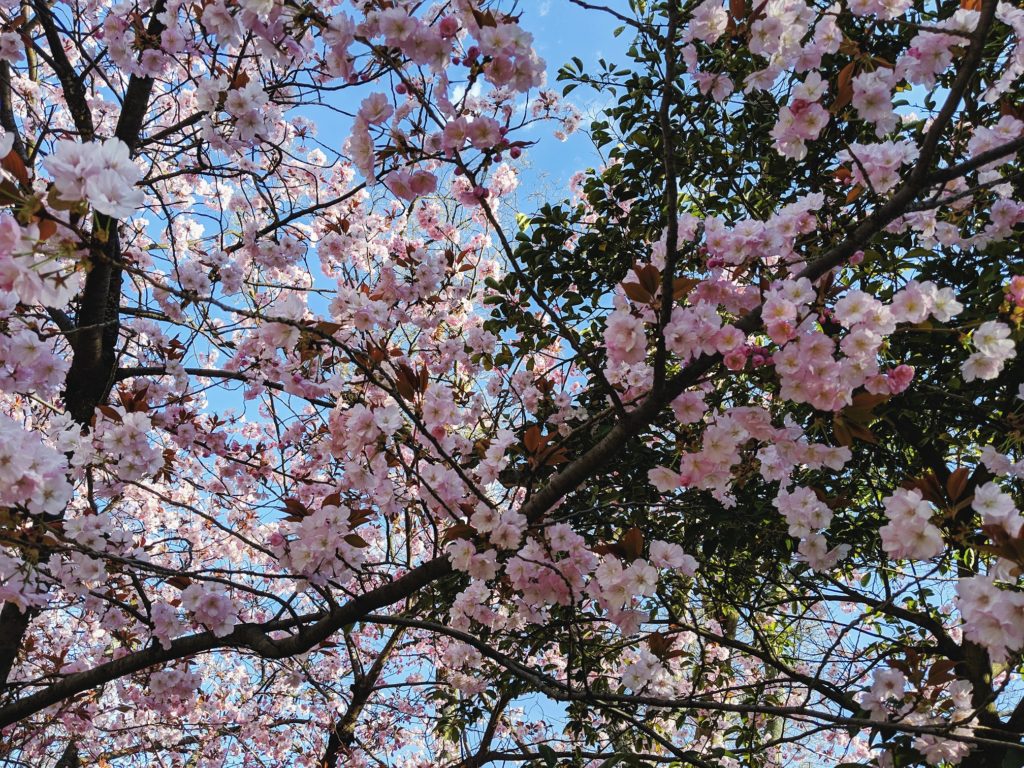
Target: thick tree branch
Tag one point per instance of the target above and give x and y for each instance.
(310, 631)
(344, 731)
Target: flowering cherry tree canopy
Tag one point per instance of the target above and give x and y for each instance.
(320, 449)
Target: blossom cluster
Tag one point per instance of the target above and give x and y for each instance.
(889, 698)
(992, 617)
(100, 172)
(727, 433)
(997, 508)
(321, 547)
(560, 569)
(25, 274)
(124, 441)
(910, 534)
(503, 51)
(33, 474)
(993, 347)
(210, 607)
(807, 516)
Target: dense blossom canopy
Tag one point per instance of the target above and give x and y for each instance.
(316, 450)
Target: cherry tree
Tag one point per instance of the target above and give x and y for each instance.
(319, 450)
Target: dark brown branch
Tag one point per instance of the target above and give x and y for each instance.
(213, 373)
(94, 362)
(254, 637)
(69, 758)
(13, 625)
(7, 119)
(137, 95)
(70, 82)
(483, 754)
(344, 732)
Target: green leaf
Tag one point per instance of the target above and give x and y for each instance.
(550, 758)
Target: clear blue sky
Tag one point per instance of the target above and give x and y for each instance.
(561, 31)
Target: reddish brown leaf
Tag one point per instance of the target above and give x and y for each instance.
(841, 431)
(659, 644)
(1006, 108)
(844, 87)
(682, 286)
(868, 401)
(295, 508)
(649, 277)
(555, 457)
(360, 517)
(11, 194)
(632, 543)
(758, 12)
(166, 473)
(532, 439)
(928, 486)
(956, 483)
(458, 531)
(406, 381)
(47, 229)
(484, 19)
(110, 413)
(328, 329)
(355, 540)
(941, 671)
(861, 432)
(637, 293)
(13, 164)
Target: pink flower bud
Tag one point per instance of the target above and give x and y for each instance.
(736, 360)
(449, 27)
(900, 378)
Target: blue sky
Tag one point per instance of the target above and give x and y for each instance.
(562, 30)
